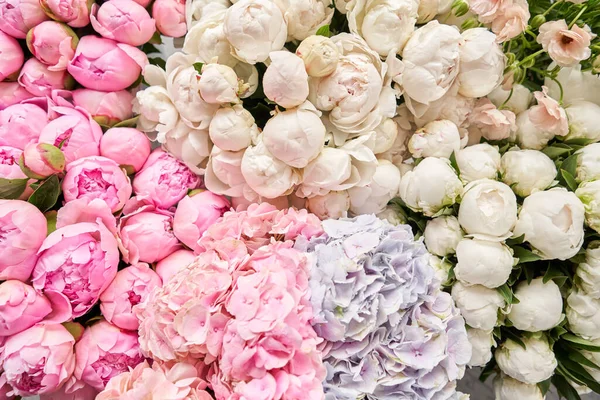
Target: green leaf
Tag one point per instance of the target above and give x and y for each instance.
(564, 388)
(580, 374)
(569, 180)
(570, 164)
(324, 31)
(579, 343)
(508, 295)
(487, 370)
(128, 123)
(553, 272)
(51, 217)
(557, 150)
(454, 163)
(158, 61)
(528, 273)
(497, 333)
(580, 141)
(11, 189)
(46, 195)
(508, 334)
(198, 67)
(514, 241)
(525, 255)
(580, 359)
(545, 386)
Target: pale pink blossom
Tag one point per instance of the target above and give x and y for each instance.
(39, 80)
(9, 163)
(12, 93)
(106, 108)
(12, 55)
(21, 307)
(548, 115)
(17, 17)
(565, 46)
(493, 124)
(174, 262)
(21, 124)
(508, 18)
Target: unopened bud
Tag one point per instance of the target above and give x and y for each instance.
(40, 160)
(537, 21)
(596, 65)
(469, 24)
(460, 7)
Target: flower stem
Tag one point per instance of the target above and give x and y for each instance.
(529, 57)
(551, 7)
(577, 17)
(507, 99)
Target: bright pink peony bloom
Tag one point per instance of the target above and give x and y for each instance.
(74, 132)
(124, 21)
(21, 124)
(170, 17)
(41, 160)
(9, 163)
(21, 307)
(105, 65)
(12, 55)
(38, 360)
(23, 228)
(128, 147)
(164, 179)
(130, 287)
(86, 210)
(97, 178)
(146, 235)
(77, 262)
(105, 351)
(41, 81)
(12, 93)
(195, 214)
(17, 17)
(75, 13)
(53, 44)
(107, 108)
(173, 263)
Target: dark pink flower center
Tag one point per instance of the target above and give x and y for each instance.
(134, 298)
(30, 381)
(8, 158)
(63, 139)
(111, 365)
(92, 181)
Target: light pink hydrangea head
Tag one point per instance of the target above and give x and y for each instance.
(75, 13)
(9, 163)
(128, 147)
(106, 108)
(53, 44)
(17, 17)
(38, 360)
(164, 179)
(21, 307)
(23, 229)
(170, 17)
(21, 124)
(12, 93)
(124, 21)
(105, 351)
(74, 132)
(195, 214)
(41, 81)
(12, 55)
(173, 263)
(130, 287)
(77, 262)
(97, 178)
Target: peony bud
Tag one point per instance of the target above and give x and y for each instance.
(18, 17)
(286, 82)
(436, 139)
(171, 264)
(480, 161)
(53, 44)
(527, 171)
(589, 194)
(219, 84)
(441, 266)
(12, 93)
(106, 108)
(519, 100)
(233, 128)
(320, 55)
(170, 17)
(21, 307)
(483, 262)
(533, 364)
(507, 388)
(537, 21)
(442, 235)
(12, 56)
(588, 163)
(128, 147)
(41, 160)
(75, 13)
(482, 343)
(583, 314)
(124, 21)
(540, 306)
(583, 121)
(588, 272)
(39, 80)
(478, 305)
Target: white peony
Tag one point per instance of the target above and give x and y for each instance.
(507, 388)
(392, 215)
(478, 305)
(519, 101)
(206, 40)
(540, 306)
(305, 17)
(320, 55)
(576, 85)
(428, 9)
(373, 197)
(430, 186)
(552, 222)
(385, 25)
(192, 147)
(385, 136)
(285, 81)
(527, 171)
(197, 11)
(482, 343)
(480, 161)
(588, 163)
(255, 28)
(398, 151)
(295, 136)
(442, 235)
(488, 208)
(583, 121)
(436, 139)
(224, 172)
(588, 272)
(531, 365)
(589, 194)
(233, 128)
(482, 63)
(583, 314)
(156, 111)
(333, 205)
(528, 136)
(219, 84)
(482, 262)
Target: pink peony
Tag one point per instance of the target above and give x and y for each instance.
(38, 360)
(74, 132)
(75, 13)
(72, 390)
(77, 262)
(53, 44)
(97, 178)
(105, 351)
(21, 307)
(128, 147)
(568, 47)
(17, 17)
(12, 93)
(23, 228)
(86, 210)
(170, 17)
(173, 263)
(106, 108)
(9, 163)
(40, 160)
(41, 81)
(130, 287)
(548, 115)
(195, 214)
(124, 21)
(12, 55)
(493, 124)
(164, 179)
(21, 124)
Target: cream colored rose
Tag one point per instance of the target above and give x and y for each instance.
(527, 171)
(540, 306)
(480, 161)
(285, 81)
(305, 17)
(320, 55)
(233, 128)
(482, 63)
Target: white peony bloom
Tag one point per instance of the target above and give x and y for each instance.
(552, 222)
(583, 121)
(224, 173)
(528, 136)
(442, 235)
(320, 55)
(392, 215)
(583, 314)
(507, 388)
(333, 205)
(295, 136)
(285, 81)
(156, 111)
(305, 17)
(488, 209)
(255, 28)
(482, 262)
(482, 343)
(531, 365)
(576, 85)
(436, 139)
(385, 136)
(219, 84)
(385, 25)
(540, 306)
(482, 63)
(478, 305)
(480, 161)
(588, 163)
(527, 171)
(588, 272)
(428, 9)
(519, 101)
(265, 174)
(198, 11)
(398, 151)
(430, 186)
(589, 194)
(372, 198)
(192, 148)
(233, 128)
(206, 39)
(431, 62)
(442, 268)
